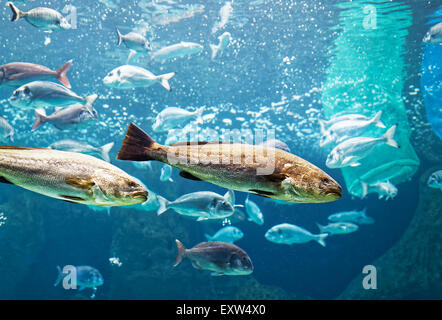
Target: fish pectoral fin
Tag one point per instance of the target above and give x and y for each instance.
(216, 274)
(16, 76)
(202, 219)
(4, 180)
(262, 193)
(189, 176)
(277, 177)
(81, 288)
(81, 183)
(196, 266)
(71, 199)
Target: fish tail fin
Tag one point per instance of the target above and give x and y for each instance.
(132, 53)
(40, 118)
(59, 276)
(90, 100)
(62, 74)
(136, 145)
(105, 151)
(320, 238)
(364, 189)
(214, 49)
(16, 13)
(164, 80)
(321, 227)
(377, 120)
(120, 37)
(181, 252)
(10, 136)
(199, 115)
(208, 238)
(163, 205)
(389, 137)
(230, 197)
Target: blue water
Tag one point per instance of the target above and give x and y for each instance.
(269, 77)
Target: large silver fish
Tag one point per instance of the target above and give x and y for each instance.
(16, 74)
(41, 94)
(265, 171)
(45, 19)
(69, 176)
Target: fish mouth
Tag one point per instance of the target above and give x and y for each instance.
(334, 193)
(140, 195)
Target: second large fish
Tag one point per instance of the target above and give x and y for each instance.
(261, 170)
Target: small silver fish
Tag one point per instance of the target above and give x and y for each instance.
(355, 216)
(227, 234)
(81, 147)
(173, 117)
(41, 94)
(45, 19)
(74, 117)
(338, 228)
(128, 76)
(135, 42)
(286, 233)
(203, 204)
(16, 74)
(434, 35)
(351, 151)
(382, 188)
(253, 211)
(6, 131)
(223, 42)
(222, 258)
(178, 50)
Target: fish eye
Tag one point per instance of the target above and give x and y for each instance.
(15, 93)
(131, 184)
(27, 90)
(110, 74)
(57, 22)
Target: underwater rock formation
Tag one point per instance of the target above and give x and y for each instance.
(411, 269)
(21, 238)
(145, 245)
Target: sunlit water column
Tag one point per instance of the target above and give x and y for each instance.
(431, 79)
(366, 75)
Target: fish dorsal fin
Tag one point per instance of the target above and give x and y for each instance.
(81, 183)
(189, 176)
(198, 143)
